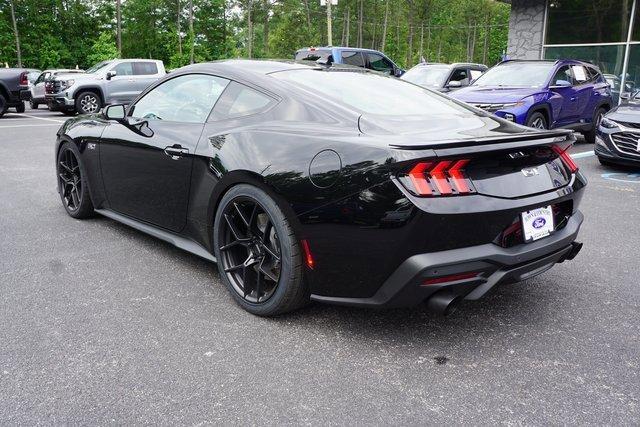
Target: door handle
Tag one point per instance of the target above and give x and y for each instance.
(573, 98)
(176, 151)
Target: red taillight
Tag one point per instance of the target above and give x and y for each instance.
(566, 158)
(308, 256)
(443, 178)
(24, 81)
(450, 278)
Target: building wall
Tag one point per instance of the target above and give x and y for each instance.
(526, 26)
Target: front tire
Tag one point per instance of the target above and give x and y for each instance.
(33, 105)
(590, 136)
(258, 255)
(72, 182)
(537, 120)
(88, 103)
(3, 105)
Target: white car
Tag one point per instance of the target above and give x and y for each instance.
(37, 88)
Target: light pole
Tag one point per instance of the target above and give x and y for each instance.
(328, 3)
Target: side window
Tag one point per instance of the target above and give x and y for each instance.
(579, 74)
(564, 73)
(239, 100)
(145, 68)
(42, 77)
(475, 74)
(188, 99)
(353, 58)
(380, 63)
(123, 69)
(460, 75)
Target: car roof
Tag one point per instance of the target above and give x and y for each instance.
(358, 49)
(455, 64)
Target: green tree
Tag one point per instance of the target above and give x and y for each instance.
(103, 48)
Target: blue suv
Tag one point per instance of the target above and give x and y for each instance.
(365, 58)
(543, 94)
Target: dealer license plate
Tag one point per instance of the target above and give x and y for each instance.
(537, 223)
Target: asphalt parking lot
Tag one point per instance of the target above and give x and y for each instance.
(102, 324)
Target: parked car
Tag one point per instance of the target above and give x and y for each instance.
(365, 58)
(376, 198)
(13, 81)
(543, 94)
(444, 77)
(108, 82)
(618, 138)
(36, 94)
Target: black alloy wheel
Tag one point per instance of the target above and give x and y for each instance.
(71, 184)
(258, 256)
(251, 254)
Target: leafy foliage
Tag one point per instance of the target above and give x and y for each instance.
(67, 33)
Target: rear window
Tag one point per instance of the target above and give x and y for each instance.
(312, 55)
(389, 96)
(145, 68)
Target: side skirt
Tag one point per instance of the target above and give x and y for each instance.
(175, 239)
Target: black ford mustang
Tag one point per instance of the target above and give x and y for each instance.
(307, 182)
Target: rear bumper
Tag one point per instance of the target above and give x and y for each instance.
(494, 264)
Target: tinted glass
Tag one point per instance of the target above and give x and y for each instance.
(563, 74)
(391, 96)
(524, 74)
(379, 63)
(309, 55)
(460, 75)
(475, 74)
(580, 74)
(187, 99)
(430, 75)
(145, 68)
(353, 58)
(123, 69)
(587, 21)
(240, 100)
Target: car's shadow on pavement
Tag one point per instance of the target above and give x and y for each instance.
(506, 306)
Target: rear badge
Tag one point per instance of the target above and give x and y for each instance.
(91, 146)
(530, 171)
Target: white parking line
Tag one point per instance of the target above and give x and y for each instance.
(583, 154)
(40, 118)
(27, 126)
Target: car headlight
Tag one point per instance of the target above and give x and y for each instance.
(608, 123)
(67, 83)
(512, 104)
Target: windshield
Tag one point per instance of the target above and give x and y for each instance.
(523, 74)
(429, 75)
(98, 66)
(372, 93)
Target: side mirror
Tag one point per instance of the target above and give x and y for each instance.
(111, 74)
(560, 84)
(454, 84)
(398, 72)
(115, 112)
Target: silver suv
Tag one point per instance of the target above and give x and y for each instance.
(117, 81)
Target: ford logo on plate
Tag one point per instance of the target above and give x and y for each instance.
(539, 223)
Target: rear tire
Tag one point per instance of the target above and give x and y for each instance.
(537, 120)
(72, 182)
(88, 103)
(20, 108)
(258, 255)
(34, 105)
(590, 136)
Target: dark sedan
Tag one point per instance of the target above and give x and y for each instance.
(310, 182)
(618, 138)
